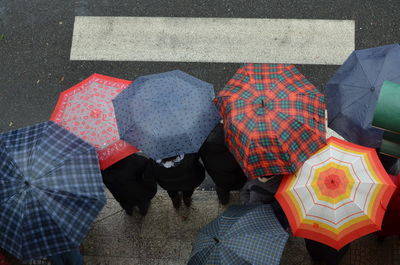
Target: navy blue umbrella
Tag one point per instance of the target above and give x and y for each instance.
(354, 89)
(51, 190)
(166, 114)
(243, 234)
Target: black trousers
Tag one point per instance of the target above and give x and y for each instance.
(185, 193)
(320, 252)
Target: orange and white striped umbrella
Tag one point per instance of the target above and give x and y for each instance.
(338, 195)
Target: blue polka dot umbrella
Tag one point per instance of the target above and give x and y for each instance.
(50, 190)
(166, 114)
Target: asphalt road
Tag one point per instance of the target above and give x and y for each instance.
(35, 42)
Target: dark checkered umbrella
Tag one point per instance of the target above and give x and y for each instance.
(50, 190)
(273, 118)
(243, 234)
(166, 114)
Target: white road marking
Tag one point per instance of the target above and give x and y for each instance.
(228, 40)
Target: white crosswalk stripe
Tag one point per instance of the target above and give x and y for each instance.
(227, 40)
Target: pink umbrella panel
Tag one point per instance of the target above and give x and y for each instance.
(87, 111)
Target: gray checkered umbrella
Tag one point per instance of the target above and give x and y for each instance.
(243, 234)
(166, 114)
(50, 190)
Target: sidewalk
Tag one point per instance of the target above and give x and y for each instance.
(164, 236)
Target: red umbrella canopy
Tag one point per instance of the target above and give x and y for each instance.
(87, 111)
(273, 118)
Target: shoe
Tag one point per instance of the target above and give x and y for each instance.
(176, 201)
(223, 196)
(144, 208)
(127, 208)
(187, 201)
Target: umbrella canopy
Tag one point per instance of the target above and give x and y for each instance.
(354, 89)
(243, 234)
(166, 114)
(339, 195)
(87, 111)
(51, 190)
(274, 118)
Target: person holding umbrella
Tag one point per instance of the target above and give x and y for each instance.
(353, 91)
(126, 182)
(262, 191)
(322, 253)
(221, 165)
(391, 219)
(51, 194)
(339, 195)
(274, 118)
(168, 116)
(242, 234)
(179, 175)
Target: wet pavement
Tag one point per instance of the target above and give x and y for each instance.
(164, 236)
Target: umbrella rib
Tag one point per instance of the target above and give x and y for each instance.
(12, 162)
(98, 141)
(343, 84)
(10, 197)
(351, 104)
(54, 221)
(237, 255)
(22, 217)
(380, 71)
(181, 125)
(364, 71)
(57, 166)
(65, 193)
(32, 151)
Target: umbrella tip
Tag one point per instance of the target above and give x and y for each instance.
(216, 239)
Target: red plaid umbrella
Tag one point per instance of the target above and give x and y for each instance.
(273, 118)
(87, 111)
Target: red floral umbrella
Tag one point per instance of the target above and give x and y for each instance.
(87, 111)
(274, 118)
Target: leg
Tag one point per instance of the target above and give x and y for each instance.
(223, 195)
(187, 197)
(143, 207)
(175, 198)
(127, 207)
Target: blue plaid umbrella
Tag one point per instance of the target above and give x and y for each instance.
(50, 190)
(243, 234)
(353, 91)
(166, 114)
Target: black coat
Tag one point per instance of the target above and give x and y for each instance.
(125, 181)
(184, 176)
(321, 252)
(220, 163)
